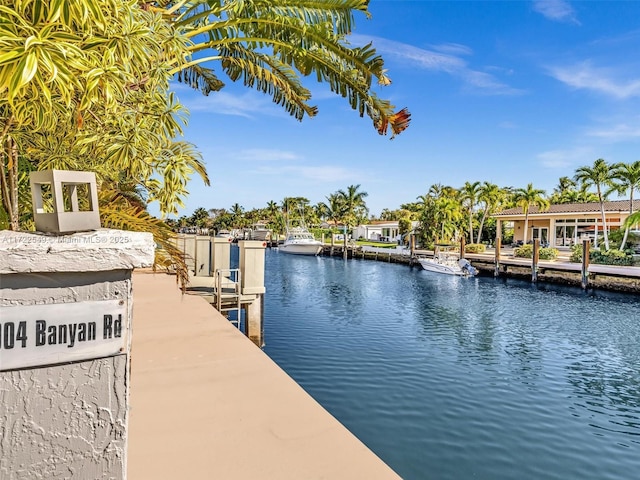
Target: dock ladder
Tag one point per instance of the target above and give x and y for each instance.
(228, 293)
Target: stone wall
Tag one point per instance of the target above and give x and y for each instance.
(66, 418)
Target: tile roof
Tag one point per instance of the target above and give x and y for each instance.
(611, 206)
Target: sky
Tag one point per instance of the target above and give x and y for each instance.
(509, 92)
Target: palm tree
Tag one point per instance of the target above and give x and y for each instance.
(565, 185)
(270, 45)
(438, 190)
(447, 214)
(333, 209)
(354, 207)
(527, 197)
(599, 176)
(237, 212)
(627, 176)
(199, 217)
(469, 194)
(490, 195)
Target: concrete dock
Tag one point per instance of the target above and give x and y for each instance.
(206, 403)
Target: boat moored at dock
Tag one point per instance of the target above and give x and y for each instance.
(447, 262)
(300, 241)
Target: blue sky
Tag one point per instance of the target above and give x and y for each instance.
(509, 92)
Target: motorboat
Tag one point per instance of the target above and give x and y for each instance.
(448, 263)
(300, 241)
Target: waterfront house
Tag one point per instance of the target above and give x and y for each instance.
(380, 230)
(565, 225)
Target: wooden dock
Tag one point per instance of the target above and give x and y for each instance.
(560, 271)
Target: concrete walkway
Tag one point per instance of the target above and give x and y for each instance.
(206, 403)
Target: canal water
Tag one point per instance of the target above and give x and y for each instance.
(452, 378)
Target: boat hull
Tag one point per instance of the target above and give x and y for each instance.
(434, 266)
(301, 248)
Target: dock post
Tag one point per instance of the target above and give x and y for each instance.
(219, 254)
(462, 247)
(498, 245)
(252, 277)
(585, 263)
(202, 256)
(412, 248)
(344, 251)
(534, 260)
(496, 272)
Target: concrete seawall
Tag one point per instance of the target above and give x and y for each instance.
(207, 403)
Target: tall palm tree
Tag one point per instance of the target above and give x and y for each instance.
(237, 212)
(333, 208)
(491, 196)
(354, 205)
(599, 176)
(469, 193)
(627, 178)
(526, 198)
(438, 190)
(271, 44)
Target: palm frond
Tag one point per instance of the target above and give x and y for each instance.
(116, 213)
(200, 78)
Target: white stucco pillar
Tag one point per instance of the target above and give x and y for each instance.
(65, 334)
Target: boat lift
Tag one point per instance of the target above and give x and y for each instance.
(228, 289)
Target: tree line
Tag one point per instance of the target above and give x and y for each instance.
(445, 213)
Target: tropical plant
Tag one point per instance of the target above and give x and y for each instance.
(598, 176)
(271, 44)
(526, 251)
(611, 257)
(491, 196)
(626, 177)
(441, 214)
(526, 198)
(354, 208)
(90, 92)
(199, 218)
(475, 248)
(84, 84)
(567, 192)
(469, 195)
(332, 209)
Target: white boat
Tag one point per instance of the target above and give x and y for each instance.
(449, 264)
(300, 241)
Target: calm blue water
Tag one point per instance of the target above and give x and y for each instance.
(451, 378)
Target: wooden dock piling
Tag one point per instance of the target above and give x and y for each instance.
(535, 258)
(585, 263)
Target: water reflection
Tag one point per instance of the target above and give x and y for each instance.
(462, 378)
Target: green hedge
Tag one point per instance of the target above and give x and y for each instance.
(526, 251)
(475, 248)
(602, 257)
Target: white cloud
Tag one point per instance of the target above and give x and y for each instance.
(555, 159)
(264, 154)
(244, 105)
(619, 132)
(453, 49)
(318, 173)
(444, 61)
(556, 10)
(585, 76)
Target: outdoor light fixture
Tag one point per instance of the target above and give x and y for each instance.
(64, 201)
